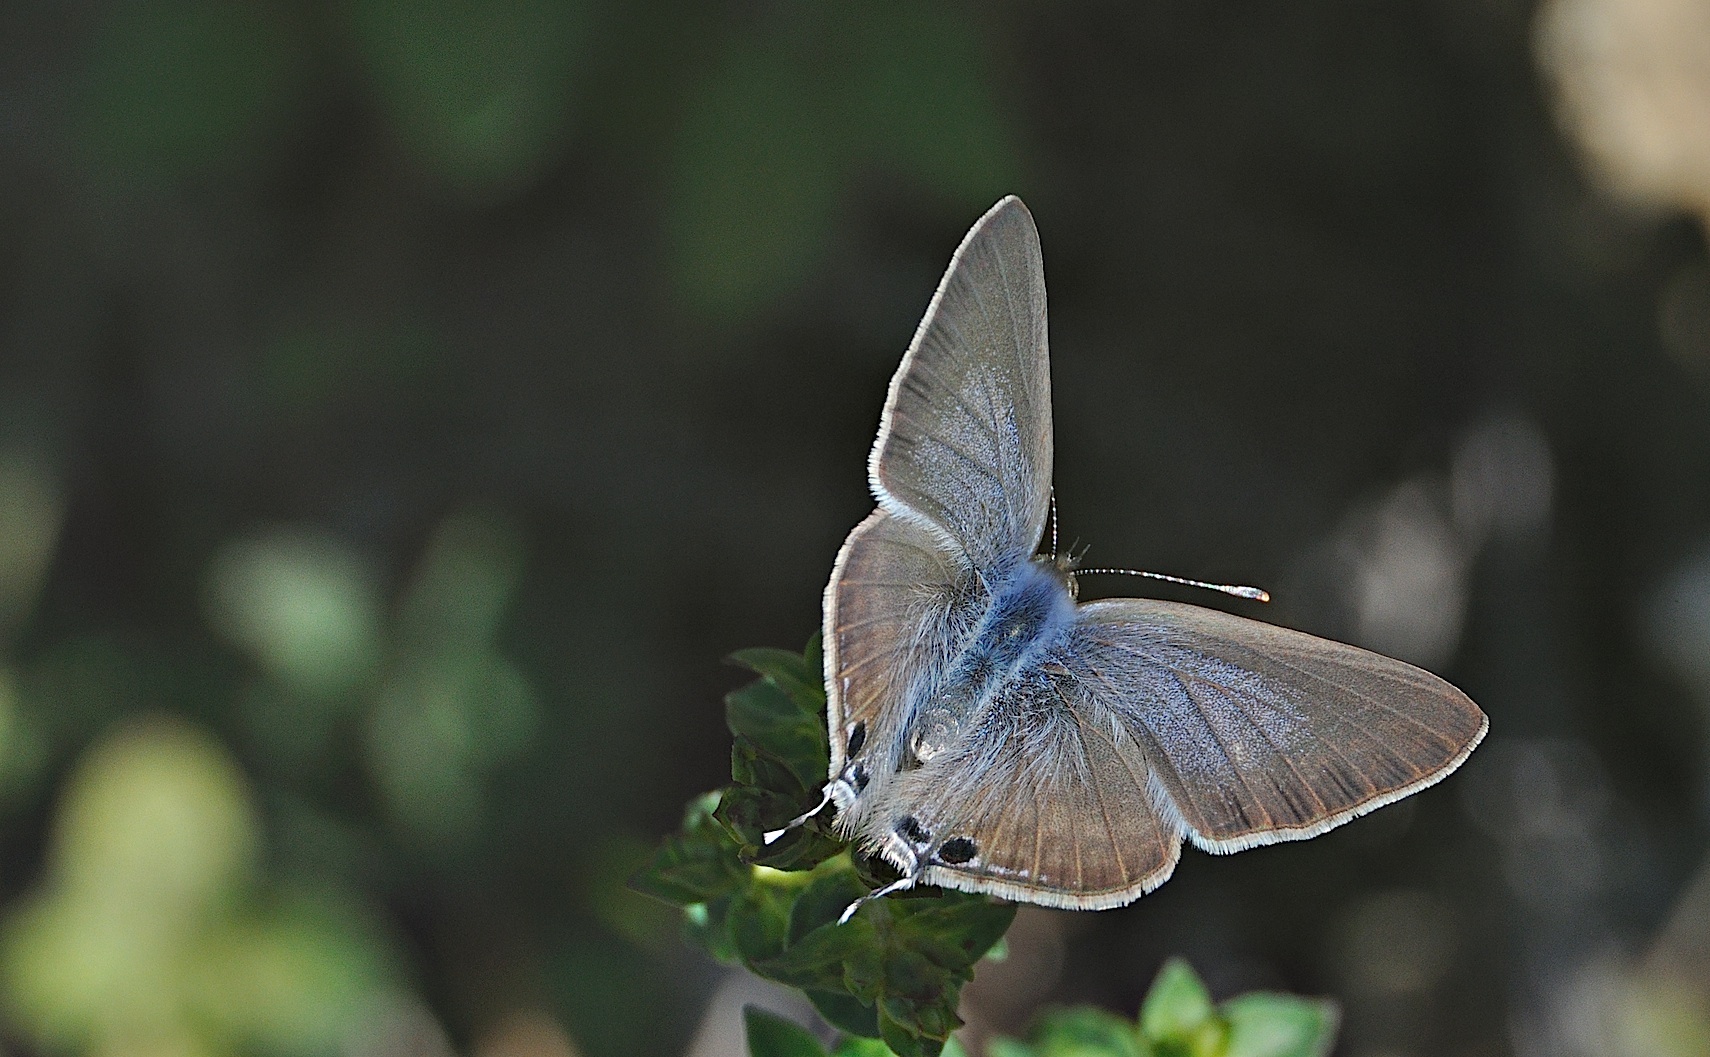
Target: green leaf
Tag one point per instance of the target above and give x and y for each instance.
(922, 950)
(776, 725)
(779, 758)
(834, 887)
(770, 1035)
(800, 675)
(1085, 1032)
(764, 709)
(760, 916)
(749, 811)
(697, 865)
(1178, 1008)
(845, 1012)
(902, 1033)
(817, 950)
(813, 659)
(956, 929)
(1272, 1025)
(1006, 1047)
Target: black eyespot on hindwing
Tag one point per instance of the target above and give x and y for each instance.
(860, 777)
(912, 831)
(957, 850)
(857, 738)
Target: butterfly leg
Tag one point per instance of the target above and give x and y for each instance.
(905, 881)
(908, 848)
(825, 798)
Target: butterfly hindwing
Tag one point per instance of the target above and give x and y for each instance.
(1045, 800)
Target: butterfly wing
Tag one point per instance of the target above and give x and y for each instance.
(892, 606)
(1257, 734)
(1045, 801)
(964, 445)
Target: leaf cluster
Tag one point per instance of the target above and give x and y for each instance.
(1178, 1019)
(895, 970)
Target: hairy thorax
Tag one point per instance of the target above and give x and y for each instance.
(1025, 615)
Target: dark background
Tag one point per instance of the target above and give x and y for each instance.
(405, 406)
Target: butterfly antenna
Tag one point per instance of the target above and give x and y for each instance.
(773, 834)
(1237, 590)
(905, 881)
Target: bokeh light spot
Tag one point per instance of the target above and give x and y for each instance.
(304, 606)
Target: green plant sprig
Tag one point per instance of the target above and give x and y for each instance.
(895, 970)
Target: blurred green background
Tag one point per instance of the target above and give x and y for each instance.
(405, 406)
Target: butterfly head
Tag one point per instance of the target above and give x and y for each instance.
(1063, 565)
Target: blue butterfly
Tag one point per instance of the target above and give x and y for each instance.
(990, 733)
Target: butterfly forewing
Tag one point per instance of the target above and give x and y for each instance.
(1258, 733)
(965, 441)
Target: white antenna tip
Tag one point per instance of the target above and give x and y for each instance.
(773, 834)
(1238, 590)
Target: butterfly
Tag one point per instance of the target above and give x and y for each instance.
(991, 733)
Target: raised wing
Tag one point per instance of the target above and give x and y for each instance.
(965, 440)
(898, 597)
(1255, 733)
(1046, 801)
